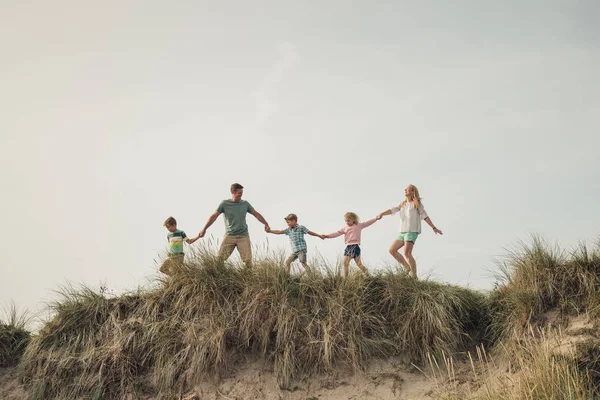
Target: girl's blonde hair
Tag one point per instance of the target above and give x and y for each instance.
(352, 217)
(416, 201)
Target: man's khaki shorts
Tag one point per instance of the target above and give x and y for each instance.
(243, 245)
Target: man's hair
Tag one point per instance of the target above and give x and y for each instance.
(170, 221)
(236, 186)
(291, 217)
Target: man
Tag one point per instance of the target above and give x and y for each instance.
(236, 235)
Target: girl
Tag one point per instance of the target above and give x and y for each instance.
(411, 214)
(351, 232)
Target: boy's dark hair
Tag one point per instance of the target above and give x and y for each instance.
(170, 222)
(291, 217)
(236, 186)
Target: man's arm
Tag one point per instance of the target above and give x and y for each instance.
(210, 221)
(259, 217)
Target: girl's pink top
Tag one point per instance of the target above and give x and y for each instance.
(352, 233)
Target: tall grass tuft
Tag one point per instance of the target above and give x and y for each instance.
(547, 371)
(537, 278)
(208, 316)
(14, 336)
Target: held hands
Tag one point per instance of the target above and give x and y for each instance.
(378, 217)
(202, 233)
(323, 237)
(267, 229)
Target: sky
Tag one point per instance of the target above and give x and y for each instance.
(118, 114)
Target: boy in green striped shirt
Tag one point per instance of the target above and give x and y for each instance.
(176, 237)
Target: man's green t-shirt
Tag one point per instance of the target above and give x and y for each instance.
(235, 216)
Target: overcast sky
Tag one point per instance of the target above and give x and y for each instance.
(115, 115)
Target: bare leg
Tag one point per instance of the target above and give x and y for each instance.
(397, 245)
(411, 260)
(346, 264)
(361, 266)
(306, 267)
(288, 264)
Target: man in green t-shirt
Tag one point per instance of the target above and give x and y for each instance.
(236, 229)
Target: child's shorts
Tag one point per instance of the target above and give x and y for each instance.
(300, 255)
(171, 264)
(352, 250)
(408, 236)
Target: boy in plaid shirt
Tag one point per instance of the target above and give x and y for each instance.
(296, 233)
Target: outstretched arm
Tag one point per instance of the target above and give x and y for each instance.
(386, 212)
(210, 221)
(335, 234)
(369, 222)
(436, 230)
(262, 219)
(275, 231)
(311, 233)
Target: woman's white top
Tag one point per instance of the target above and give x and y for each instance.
(410, 217)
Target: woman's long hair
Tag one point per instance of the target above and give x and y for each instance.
(416, 201)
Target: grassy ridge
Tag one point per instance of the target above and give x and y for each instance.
(207, 317)
(200, 320)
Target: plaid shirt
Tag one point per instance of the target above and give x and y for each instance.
(297, 237)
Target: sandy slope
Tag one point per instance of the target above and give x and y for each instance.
(9, 385)
(384, 379)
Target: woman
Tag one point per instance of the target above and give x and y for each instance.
(411, 214)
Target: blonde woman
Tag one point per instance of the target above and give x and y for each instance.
(411, 214)
(351, 232)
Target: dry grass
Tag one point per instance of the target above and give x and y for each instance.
(546, 370)
(538, 278)
(542, 368)
(208, 316)
(202, 319)
(14, 336)
(534, 280)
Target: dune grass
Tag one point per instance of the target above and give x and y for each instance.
(14, 336)
(208, 316)
(539, 277)
(548, 369)
(535, 279)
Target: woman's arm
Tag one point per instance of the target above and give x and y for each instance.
(386, 212)
(436, 230)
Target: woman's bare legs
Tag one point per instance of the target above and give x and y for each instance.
(411, 260)
(397, 245)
